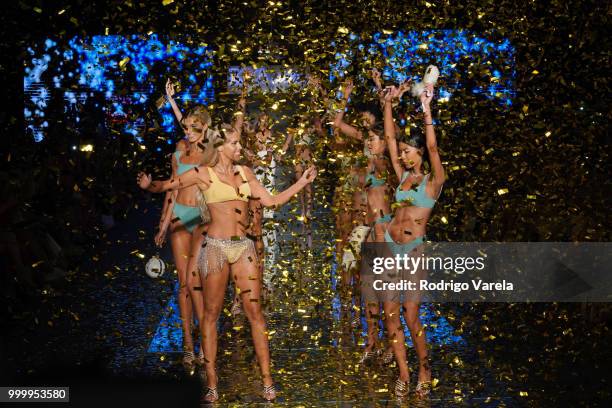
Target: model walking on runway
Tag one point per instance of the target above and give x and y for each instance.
(227, 189)
(415, 197)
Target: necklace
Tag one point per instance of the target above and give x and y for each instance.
(414, 176)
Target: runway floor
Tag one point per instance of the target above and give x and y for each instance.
(113, 324)
(314, 348)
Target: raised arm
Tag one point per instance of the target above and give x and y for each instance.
(437, 169)
(378, 83)
(286, 145)
(339, 123)
(198, 175)
(169, 95)
(315, 84)
(268, 200)
(239, 120)
(390, 132)
(403, 88)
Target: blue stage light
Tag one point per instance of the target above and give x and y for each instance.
(105, 65)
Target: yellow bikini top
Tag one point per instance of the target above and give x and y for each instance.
(218, 191)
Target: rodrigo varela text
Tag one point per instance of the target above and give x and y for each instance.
(442, 285)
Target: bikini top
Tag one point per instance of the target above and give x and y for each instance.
(372, 181)
(182, 168)
(417, 198)
(219, 192)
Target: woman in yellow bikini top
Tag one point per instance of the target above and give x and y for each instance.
(227, 250)
(219, 192)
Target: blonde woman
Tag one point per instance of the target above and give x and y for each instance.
(227, 250)
(181, 213)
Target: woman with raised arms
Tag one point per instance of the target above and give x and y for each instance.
(377, 187)
(415, 197)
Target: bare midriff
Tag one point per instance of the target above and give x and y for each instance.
(409, 223)
(228, 219)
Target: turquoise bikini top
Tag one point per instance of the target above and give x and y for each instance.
(417, 198)
(372, 181)
(182, 168)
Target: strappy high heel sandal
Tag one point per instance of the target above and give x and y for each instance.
(387, 356)
(188, 358)
(367, 356)
(401, 388)
(211, 395)
(269, 392)
(423, 389)
(355, 321)
(200, 360)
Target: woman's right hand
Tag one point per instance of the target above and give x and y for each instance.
(169, 88)
(144, 180)
(160, 237)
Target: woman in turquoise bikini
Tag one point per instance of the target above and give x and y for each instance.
(414, 199)
(378, 202)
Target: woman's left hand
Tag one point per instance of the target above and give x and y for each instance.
(390, 92)
(160, 237)
(309, 175)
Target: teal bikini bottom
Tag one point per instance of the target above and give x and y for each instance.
(399, 249)
(189, 216)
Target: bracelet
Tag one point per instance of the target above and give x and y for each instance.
(430, 124)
